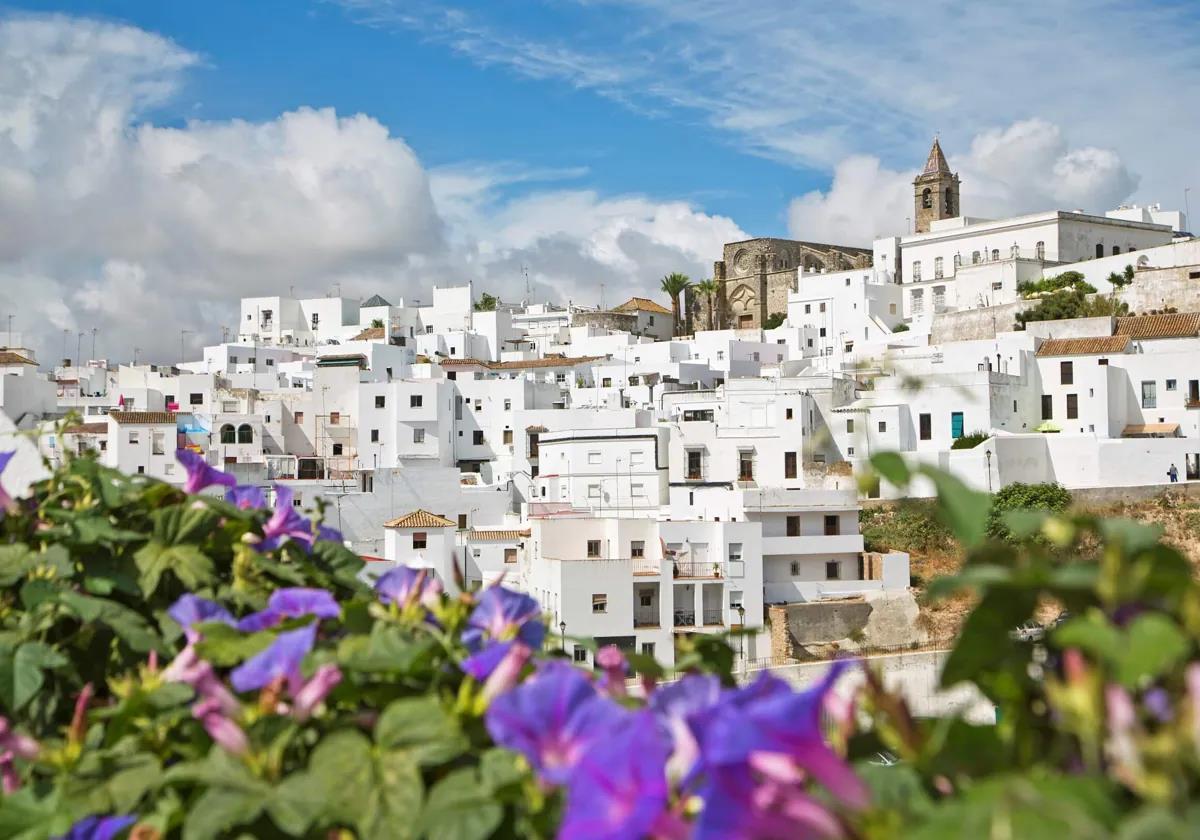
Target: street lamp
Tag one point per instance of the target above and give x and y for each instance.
(741, 611)
(988, 453)
(562, 629)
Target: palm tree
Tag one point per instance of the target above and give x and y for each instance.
(708, 288)
(674, 284)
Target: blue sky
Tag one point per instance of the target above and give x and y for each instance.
(182, 154)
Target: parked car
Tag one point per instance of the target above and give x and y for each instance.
(1028, 631)
(1063, 617)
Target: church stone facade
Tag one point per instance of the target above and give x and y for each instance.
(935, 191)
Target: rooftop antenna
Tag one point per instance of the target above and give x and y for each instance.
(601, 297)
(525, 271)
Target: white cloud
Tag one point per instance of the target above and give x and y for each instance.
(1026, 167)
(109, 221)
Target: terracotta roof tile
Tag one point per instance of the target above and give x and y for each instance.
(8, 357)
(143, 418)
(549, 361)
(1151, 430)
(635, 304)
(420, 519)
(1174, 325)
(498, 535)
(87, 429)
(342, 360)
(369, 334)
(1083, 346)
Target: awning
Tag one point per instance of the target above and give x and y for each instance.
(1049, 427)
(536, 429)
(1152, 430)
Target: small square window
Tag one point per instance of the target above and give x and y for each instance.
(593, 548)
(593, 491)
(462, 522)
(637, 548)
(477, 437)
(580, 654)
(380, 401)
(374, 436)
(414, 401)
(298, 416)
(600, 603)
(337, 449)
(787, 414)
(833, 570)
(883, 425)
(1170, 384)
(418, 435)
(508, 405)
(420, 539)
(795, 568)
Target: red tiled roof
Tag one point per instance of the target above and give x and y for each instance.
(549, 361)
(8, 357)
(1083, 346)
(420, 519)
(143, 418)
(635, 304)
(498, 535)
(87, 429)
(369, 333)
(1171, 325)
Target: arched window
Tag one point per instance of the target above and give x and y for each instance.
(1116, 250)
(957, 260)
(927, 198)
(1099, 250)
(228, 435)
(949, 201)
(245, 434)
(995, 254)
(1041, 250)
(1016, 251)
(937, 266)
(974, 258)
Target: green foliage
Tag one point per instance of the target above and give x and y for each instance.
(775, 320)
(1018, 497)
(899, 328)
(1071, 303)
(1068, 280)
(709, 288)
(970, 441)
(674, 285)
(486, 303)
(910, 525)
(377, 323)
(1119, 280)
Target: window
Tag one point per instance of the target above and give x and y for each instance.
(956, 424)
(821, 307)
(477, 437)
(927, 199)
(157, 444)
(833, 525)
(593, 457)
(196, 399)
(1170, 384)
(507, 437)
(134, 437)
(974, 258)
(789, 464)
(937, 267)
(337, 449)
(245, 433)
(833, 570)
(335, 418)
(957, 260)
(1072, 406)
(735, 552)
(1040, 250)
(169, 398)
(316, 319)
(849, 425)
(420, 539)
(1099, 250)
(270, 362)
(637, 548)
(694, 464)
(593, 548)
(560, 378)
(1116, 249)
(793, 525)
(995, 254)
(637, 490)
(808, 309)
(510, 555)
(882, 426)
(508, 405)
(606, 382)
(822, 332)
(1102, 362)
(298, 416)
(580, 654)
(374, 436)
(1047, 407)
(916, 272)
(648, 649)
(462, 522)
(849, 450)
(380, 401)
(925, 422)
(787, 414)
(746, 465)
(141, 470)
(1149, 395)
(593, 491)
(418, 435)
(795, 568)
(228, 434)
(414, 401)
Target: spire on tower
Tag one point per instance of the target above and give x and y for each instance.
(936, 162)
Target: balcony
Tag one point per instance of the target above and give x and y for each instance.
(813, 544)
(685, 618)
(646, 617)
(713, 617)
(705, 570)
(643, 567)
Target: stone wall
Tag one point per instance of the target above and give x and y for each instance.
(623, 321)
(878, 619)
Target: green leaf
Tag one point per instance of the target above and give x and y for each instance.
(1153, 644)
(500, 768)
(974, 576)
(223, 645)
(964, 510)
(218, 810)
(377, 792)
(1134, 537)
(127, 624)
(396, 799)
(21, 672)
(983, 644)
(187, 523)
(891, 466)
(460, 808)
(296, 802)
(423, 726)
(1092, 634)
(15, 561)
(186, 562)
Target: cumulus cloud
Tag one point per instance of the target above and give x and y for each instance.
(111, 222)
(1026, 167)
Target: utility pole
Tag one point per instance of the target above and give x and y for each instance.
(66, 332)
(182, 335)
(94, 331)
(136, 350)
(78, 348)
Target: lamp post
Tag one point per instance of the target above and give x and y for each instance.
(741, 611)
(988, 454)
(562, 629)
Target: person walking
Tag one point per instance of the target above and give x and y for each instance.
(1173, 474)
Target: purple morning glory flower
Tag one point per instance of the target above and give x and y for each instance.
(401, 584)
(552, 719)
(328, 534)
(737, 806)
(5, 499)
(98, 828)
(314, 692)
(190, 610)
(619, 787)
(220, 727)
(291, 602)
(767, 717)
(200, 474)
(1158, 702)
(285, 524)
(281, 660)
(502, 615)
(675, 705)
(246, 497)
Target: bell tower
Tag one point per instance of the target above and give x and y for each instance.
(935, 191)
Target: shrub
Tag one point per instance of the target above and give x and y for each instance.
(1051, 498)
(775, 319)
(1071, 303)
(970, 441)
(908, 525)
(899, 328)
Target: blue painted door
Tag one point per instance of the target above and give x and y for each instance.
(956, 424)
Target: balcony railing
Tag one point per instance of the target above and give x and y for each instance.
(646, 617)
(682, 569)
(685, 618)
(713, 617)
(694, 475)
